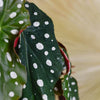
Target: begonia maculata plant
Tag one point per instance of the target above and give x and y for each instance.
(33, 64)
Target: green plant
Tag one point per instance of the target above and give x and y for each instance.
(38, 50)
(13, 17)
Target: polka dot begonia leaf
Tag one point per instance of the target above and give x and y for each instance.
(39, 52)
(13, 17)
(70, 88)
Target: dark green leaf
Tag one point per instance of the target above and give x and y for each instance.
(13, 17)
(40, 54)
(70, 88)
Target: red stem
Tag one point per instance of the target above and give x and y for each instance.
(67, 62)
(17, 38)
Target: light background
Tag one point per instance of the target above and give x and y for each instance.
(77, 26)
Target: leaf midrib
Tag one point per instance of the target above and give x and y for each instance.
(4, 12)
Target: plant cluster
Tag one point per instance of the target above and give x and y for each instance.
(32, 62)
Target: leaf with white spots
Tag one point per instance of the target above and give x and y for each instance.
(13, 17)
(70, 88)
(39, 52)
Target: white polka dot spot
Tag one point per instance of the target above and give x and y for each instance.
(68, 95)
(30, 55)
(13, 75)
(52, 71)
(40, 83)
(44, 97)
(73, 83)
(32, 36)
(52, 81)
(46, 53)
(69, 89)
(13, 14)
(24, 86)
(13, 65)
(27, 5)
(19, 60)
(36, 24)
(35, 66)
(68, 85)
(8, 57)
(58, 58)
(48, 62)
(11, 94)
(19, 5)
(25, 99)
(67, 78)
(14, 31)
(34, 93)
(46, 35)
(19, 46)
(65, 89)
(74, 98)
(21, 22)
(50, 90)
(46, 22)
(53, 48)
(56, 89)
(39, 46)
(35, 13)
(1, 3)
(16, 83)
(6, 40)
(75, 90)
